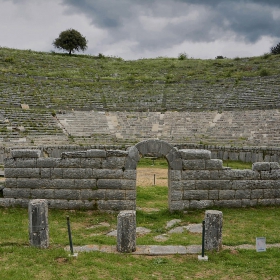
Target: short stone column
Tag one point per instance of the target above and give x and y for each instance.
(38, 223)
(213, 230)
(126, 231)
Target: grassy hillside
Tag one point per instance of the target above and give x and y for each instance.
(35, 87)
(49, 80)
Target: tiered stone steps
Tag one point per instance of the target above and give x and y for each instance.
(235, 128)
(110, 95)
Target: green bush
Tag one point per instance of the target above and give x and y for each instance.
(276, 49)
(182, 56)
(264, 72)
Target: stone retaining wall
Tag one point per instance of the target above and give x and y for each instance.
(244, 154)
(106, 179)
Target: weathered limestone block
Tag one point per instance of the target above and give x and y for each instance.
(42, 193)
(113, 162)
(120, 184)
(76, 154)
(243, 194)
(196, 194)
(201, 204)
(214, 164)
(235, 174)
(274, 174)
(195, 154)
(84, 184)
(92, 194)
(25, 153)
(69, 163)
(66, 194)
(130, 174)
(22, 172)
(153, 147)
(92, 153)
(266, 202)
(213, 184)
(176, 195)
(116, 205)
(249, 202)
(261, 166)
(178, 205)
(116, 153)
(73, 173)
(213, 230)
(107, 173)
(45, 173)
(226, 194)
(38, 223)
(20, 162)
(126, 231)
(91, 162)
(235, 203)
(16, 193)
(10, 183)
(115, 195)
(48, 162)
(196, 164)
(196, 175)
(96, 153)
(175, 175)
(174, 159)
(257, 194)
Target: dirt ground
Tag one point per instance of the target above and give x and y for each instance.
(145, 176)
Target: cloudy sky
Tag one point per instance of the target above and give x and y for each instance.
(134, 29)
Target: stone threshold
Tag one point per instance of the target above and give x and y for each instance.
(151, 250)
(159, 250)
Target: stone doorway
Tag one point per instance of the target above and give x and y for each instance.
(157, 148)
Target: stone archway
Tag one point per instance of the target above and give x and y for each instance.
(158, 148)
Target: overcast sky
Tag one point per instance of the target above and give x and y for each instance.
(134, 29)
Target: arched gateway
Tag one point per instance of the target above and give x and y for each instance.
(158, 148)
(106, 179)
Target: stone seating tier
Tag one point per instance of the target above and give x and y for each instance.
(227, 94)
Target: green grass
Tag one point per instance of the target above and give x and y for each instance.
(162, 163)
(19, 261)
(237, 164)
(241, 226)
(152, 162)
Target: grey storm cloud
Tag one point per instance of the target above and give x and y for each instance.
(161, 23)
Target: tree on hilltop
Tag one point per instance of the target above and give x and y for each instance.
(70, 40)
(276, 49)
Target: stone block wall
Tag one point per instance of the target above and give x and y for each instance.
(244, 154)
(93, 179)
(106, 179)
(205, 183)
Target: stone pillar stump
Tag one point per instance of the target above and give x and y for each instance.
(38, 223)
(213, 230)
(126, 231)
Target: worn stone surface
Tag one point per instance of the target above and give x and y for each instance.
(38, 223)
(26, 153)
(126, 231)
(213, 230)
(172, 223)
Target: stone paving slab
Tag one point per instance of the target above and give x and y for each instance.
(158, 250)
(151, 250)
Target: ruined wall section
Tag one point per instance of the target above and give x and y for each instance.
(92, 179)
(204, 183)
(106, 180)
